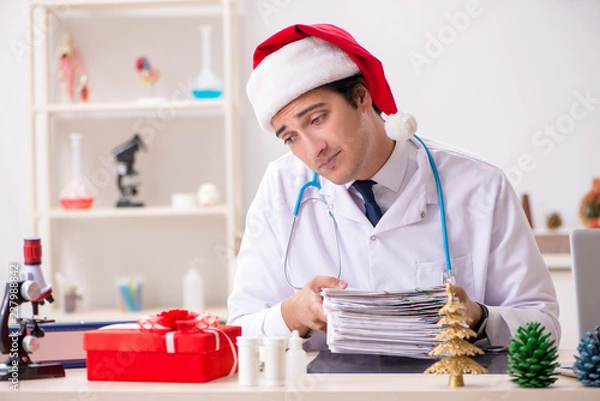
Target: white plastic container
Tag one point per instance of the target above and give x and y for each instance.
(193, 291)
(248, 361)
(295, 360)
(183, 201)
(275, 361)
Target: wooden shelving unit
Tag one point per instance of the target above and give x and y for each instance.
(215, 107)
(43, 109)
(149, 211)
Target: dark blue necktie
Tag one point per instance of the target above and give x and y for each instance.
(365, 189)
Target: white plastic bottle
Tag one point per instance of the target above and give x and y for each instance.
(193, 291)
(248, 360)
(295, 360)
(275, 360)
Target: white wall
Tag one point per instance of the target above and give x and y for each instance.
(14, 148)
(503, 76)
(500, 77)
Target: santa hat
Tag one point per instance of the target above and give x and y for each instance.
(304, 57)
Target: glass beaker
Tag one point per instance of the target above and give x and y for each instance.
(206, 85)
(77, 194)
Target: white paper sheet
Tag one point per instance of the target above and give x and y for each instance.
(401, 323)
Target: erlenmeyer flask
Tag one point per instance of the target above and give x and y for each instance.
(206, 85)
(76, 195)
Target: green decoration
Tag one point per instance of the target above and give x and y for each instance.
(532, 357)
(587, 364)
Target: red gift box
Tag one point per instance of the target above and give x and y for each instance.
(147, 351)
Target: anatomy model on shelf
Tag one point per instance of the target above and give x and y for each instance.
(84, 89)
(70, 71)
(149, 75)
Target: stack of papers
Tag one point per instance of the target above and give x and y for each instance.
(399, 323)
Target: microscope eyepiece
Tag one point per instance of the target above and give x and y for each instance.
(32, 250)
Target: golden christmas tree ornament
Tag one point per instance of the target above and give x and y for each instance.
(455, 349)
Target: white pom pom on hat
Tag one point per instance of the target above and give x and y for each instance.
(401, 126)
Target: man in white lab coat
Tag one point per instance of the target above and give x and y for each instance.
(321, 93)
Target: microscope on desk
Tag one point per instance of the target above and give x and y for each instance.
(128, 179)
(25, 284)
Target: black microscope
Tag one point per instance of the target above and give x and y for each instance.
(128, 179)
(19, 336)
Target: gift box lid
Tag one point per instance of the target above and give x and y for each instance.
(132, 338)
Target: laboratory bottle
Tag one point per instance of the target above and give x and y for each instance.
(248, 366)
(206, 85)
(77, 194)
(275, 360)
(295, 360)
(193, 291)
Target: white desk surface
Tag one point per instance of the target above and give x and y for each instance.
(319, 387)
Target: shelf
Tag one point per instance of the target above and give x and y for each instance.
(211, 106)
(74, 4)
(152, 211)
(553, 241)
(557, 261)
(115, 315)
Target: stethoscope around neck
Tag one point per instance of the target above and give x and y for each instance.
(446, 275)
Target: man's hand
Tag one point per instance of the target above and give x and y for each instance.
(303, 311)
(473, 309)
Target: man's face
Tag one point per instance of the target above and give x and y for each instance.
(330, 136)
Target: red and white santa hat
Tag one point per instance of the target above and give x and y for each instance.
(300, 58)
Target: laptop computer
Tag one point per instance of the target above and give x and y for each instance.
(585, 254)
(585, 257)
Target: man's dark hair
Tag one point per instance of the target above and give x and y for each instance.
(347, 86)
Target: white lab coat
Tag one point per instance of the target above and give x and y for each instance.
(493, 252)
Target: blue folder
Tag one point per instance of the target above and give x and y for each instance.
(63, 343)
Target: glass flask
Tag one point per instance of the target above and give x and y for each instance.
(206, 85)
(77, 194)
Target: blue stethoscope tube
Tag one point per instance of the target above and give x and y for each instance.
(438, 184)
(312, 183)
(315, 183)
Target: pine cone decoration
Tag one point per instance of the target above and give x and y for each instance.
(553, 221)
(587, 364)
(531, 357)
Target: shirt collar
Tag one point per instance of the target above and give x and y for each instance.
(391, 174)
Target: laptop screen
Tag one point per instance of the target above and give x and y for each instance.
(585, 253)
